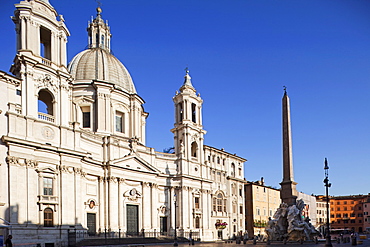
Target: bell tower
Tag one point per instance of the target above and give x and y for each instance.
(188, 131)
(41, 61)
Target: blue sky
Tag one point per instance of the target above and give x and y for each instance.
(240, 54)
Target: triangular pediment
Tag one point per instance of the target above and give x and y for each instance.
(134, 162)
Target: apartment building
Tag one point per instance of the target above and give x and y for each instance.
(261, 202)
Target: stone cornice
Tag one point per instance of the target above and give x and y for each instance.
(9, 79)
(37, 145)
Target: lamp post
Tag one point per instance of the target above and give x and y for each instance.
(175, 238)
(327, 185)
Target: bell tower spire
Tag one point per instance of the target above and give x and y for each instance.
(288, 192)
(188, 129)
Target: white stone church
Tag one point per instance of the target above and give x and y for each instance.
(73, 156)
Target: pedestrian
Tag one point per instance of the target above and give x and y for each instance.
(8, 241)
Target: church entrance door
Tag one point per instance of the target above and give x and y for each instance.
(163, 225)
(132, 220)
(91, 224)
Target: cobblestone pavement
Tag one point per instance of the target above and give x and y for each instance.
(365, 243)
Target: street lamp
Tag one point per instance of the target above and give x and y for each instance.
(175, 239)
(327, 185)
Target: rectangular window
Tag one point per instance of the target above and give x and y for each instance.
(45, 43)
(86, 119)
(196, 202)
(119, 122)
(48, 186)
(241, 209)
(219, 205)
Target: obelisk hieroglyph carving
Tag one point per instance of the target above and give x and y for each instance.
(288, 193)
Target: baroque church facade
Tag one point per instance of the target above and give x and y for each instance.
(73, 153)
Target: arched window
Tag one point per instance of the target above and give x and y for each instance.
(232, 169)
(219, 203)
(194, 149)
(45, 105)
(48, 217)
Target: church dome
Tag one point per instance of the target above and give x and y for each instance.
(99, 64)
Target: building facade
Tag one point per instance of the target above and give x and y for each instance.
(73, 153)
(367, 214)
(321, 216)
(261, 202)
(309, 210)
(347, 212)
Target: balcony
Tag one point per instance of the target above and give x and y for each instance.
(47, 199)
(197, 211)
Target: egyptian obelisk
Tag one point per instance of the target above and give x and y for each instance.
(288, 193)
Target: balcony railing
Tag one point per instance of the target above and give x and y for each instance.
(45, 61)
(46, 117)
